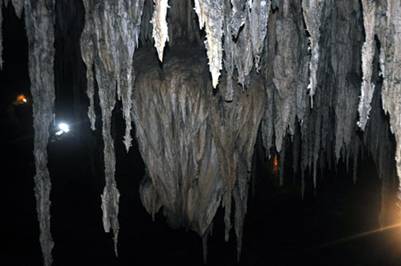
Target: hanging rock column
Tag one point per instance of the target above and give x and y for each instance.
(39, 22)
(108, 43)
(197, 148)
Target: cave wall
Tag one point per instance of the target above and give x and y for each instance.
(314, 72)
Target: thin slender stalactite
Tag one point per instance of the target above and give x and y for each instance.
(39, 22)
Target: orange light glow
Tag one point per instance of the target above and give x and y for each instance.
(21, 99)
(275, 165)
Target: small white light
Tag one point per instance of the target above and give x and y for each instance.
(62, 128)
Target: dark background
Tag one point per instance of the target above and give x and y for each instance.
(280, 229)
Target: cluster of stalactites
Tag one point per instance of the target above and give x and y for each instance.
(298, 56)
(237, 27)
(197, 147)
(236, 35)
(382, 19)
(330, 127)
(108, 43)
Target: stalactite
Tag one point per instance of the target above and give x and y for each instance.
(18, 6)
(243, 54)
(197, 147)
(160, 29)
(228, 54)
(181, 15)
(380, 142)
(285, 69)
(39, 22)
(211, 16)
(330, 126)
(389, 34)
(367, 89)
(223, 21)
(129, 31)
(260, 10)
(346, 64)
(248, 25)
(110, 196)
(108, 43)
(312, 10)
(88, 53)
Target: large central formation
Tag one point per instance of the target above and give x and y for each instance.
(312, 72)
(197, 147)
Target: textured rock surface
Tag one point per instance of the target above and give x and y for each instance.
(367, 89)
(39, 21)
(160, 29)
(286, 70)
(389, 33)
(108, 42)
(196, 137)
(329, 127)
(211, 16)
(18, 6)
(196, 147)
(223, 21)
(312, 10)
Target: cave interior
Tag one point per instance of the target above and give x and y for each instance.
(218, 132)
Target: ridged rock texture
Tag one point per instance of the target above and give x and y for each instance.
(312, 16)
(178, 119)
(389, 34)
(309, 77)
(39, 22)
(108, 43)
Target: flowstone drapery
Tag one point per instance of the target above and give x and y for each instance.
(197, 148)
(298, 71)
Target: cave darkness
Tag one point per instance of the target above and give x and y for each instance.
(327, 202)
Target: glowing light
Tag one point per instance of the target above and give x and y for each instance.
(275, 165)
(62, 128)
(21, 99)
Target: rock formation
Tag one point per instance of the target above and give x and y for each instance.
(311, 72)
